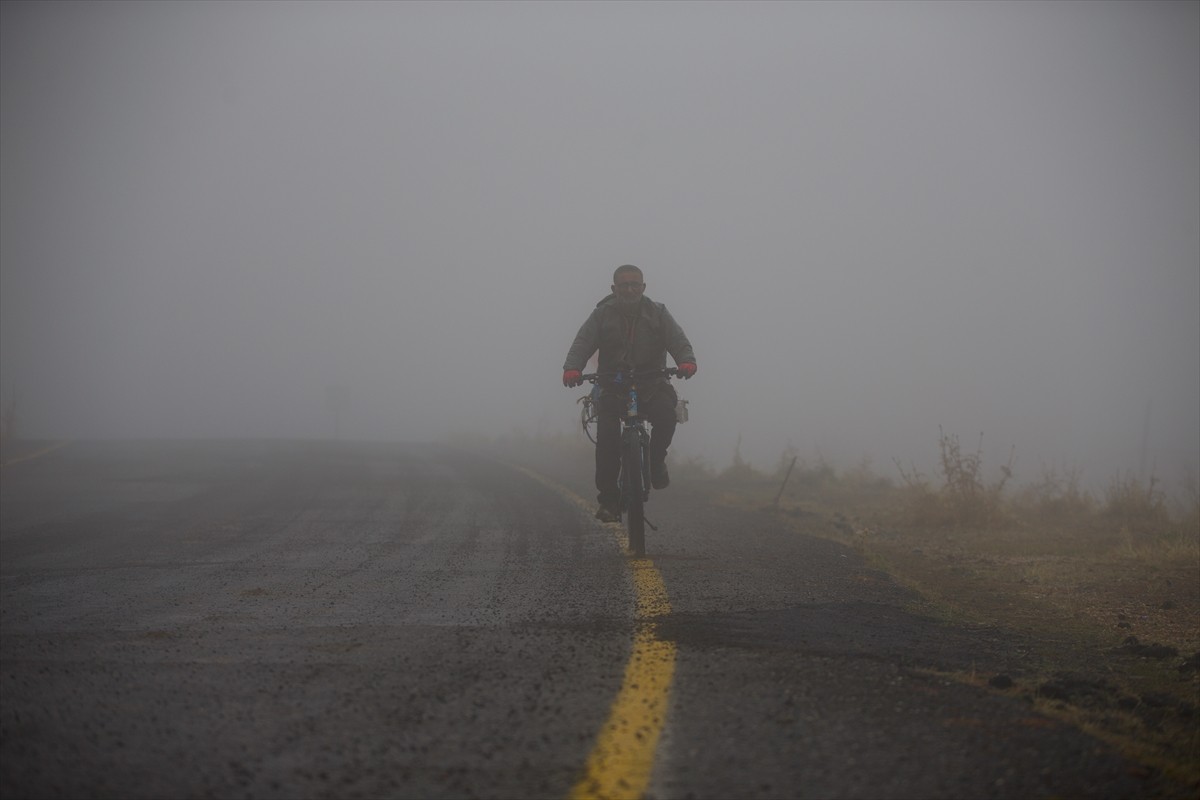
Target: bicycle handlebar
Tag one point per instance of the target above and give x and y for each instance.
(592, 377)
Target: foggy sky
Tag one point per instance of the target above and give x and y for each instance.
(871, 219)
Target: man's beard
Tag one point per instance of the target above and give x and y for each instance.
(627, 303)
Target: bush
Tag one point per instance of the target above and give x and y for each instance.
(862, 477)
(963, 499)
(694, 468)
(1055, 497)
(740, 470)
(802, 474)
(1138, 509)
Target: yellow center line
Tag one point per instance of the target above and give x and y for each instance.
(622, 758)
(34, 454)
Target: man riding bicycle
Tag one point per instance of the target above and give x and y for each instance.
(632, 332)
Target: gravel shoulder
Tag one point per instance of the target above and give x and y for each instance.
(1108, 642)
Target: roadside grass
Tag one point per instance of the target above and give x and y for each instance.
(1108, 586)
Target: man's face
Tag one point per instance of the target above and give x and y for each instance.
(629, 287)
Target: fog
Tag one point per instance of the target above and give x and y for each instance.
(871, 219)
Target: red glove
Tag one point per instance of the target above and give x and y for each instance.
(572, 377)
(685, 370)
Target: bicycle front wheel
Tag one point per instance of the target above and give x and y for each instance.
(631, 482)
(587, 417)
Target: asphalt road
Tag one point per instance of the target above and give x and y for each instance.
(272, 619)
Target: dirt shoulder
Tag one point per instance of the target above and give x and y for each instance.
(1112, 622)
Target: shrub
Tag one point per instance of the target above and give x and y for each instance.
(1189, 513)
(802, 474)
(1138, 509)
(739, 470)
(862, 477)
(694, 468)
(1057, 496)
(964, 498)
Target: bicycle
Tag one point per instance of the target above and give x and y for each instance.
(634, 477)
(589, 411)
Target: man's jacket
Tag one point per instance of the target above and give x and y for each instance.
(641, 339)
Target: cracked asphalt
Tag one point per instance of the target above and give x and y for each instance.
(335, 619)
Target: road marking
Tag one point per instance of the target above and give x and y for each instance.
(35, 454)
(623, 756)
(622, 759)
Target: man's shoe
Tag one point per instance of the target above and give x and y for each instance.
(659, 478)
(606, 514)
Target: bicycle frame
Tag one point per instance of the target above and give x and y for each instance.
(634, 476)
(634, 434)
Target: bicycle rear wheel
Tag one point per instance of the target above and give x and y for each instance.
(631, 483)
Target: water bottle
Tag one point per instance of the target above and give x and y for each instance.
(681, 412)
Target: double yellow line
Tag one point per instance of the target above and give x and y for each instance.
(622, 759)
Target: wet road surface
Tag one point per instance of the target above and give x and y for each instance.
(273, 619)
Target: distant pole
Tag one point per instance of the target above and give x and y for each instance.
(785, 480)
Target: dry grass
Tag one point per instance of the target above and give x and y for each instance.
(964, 498)
(1078, 573)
